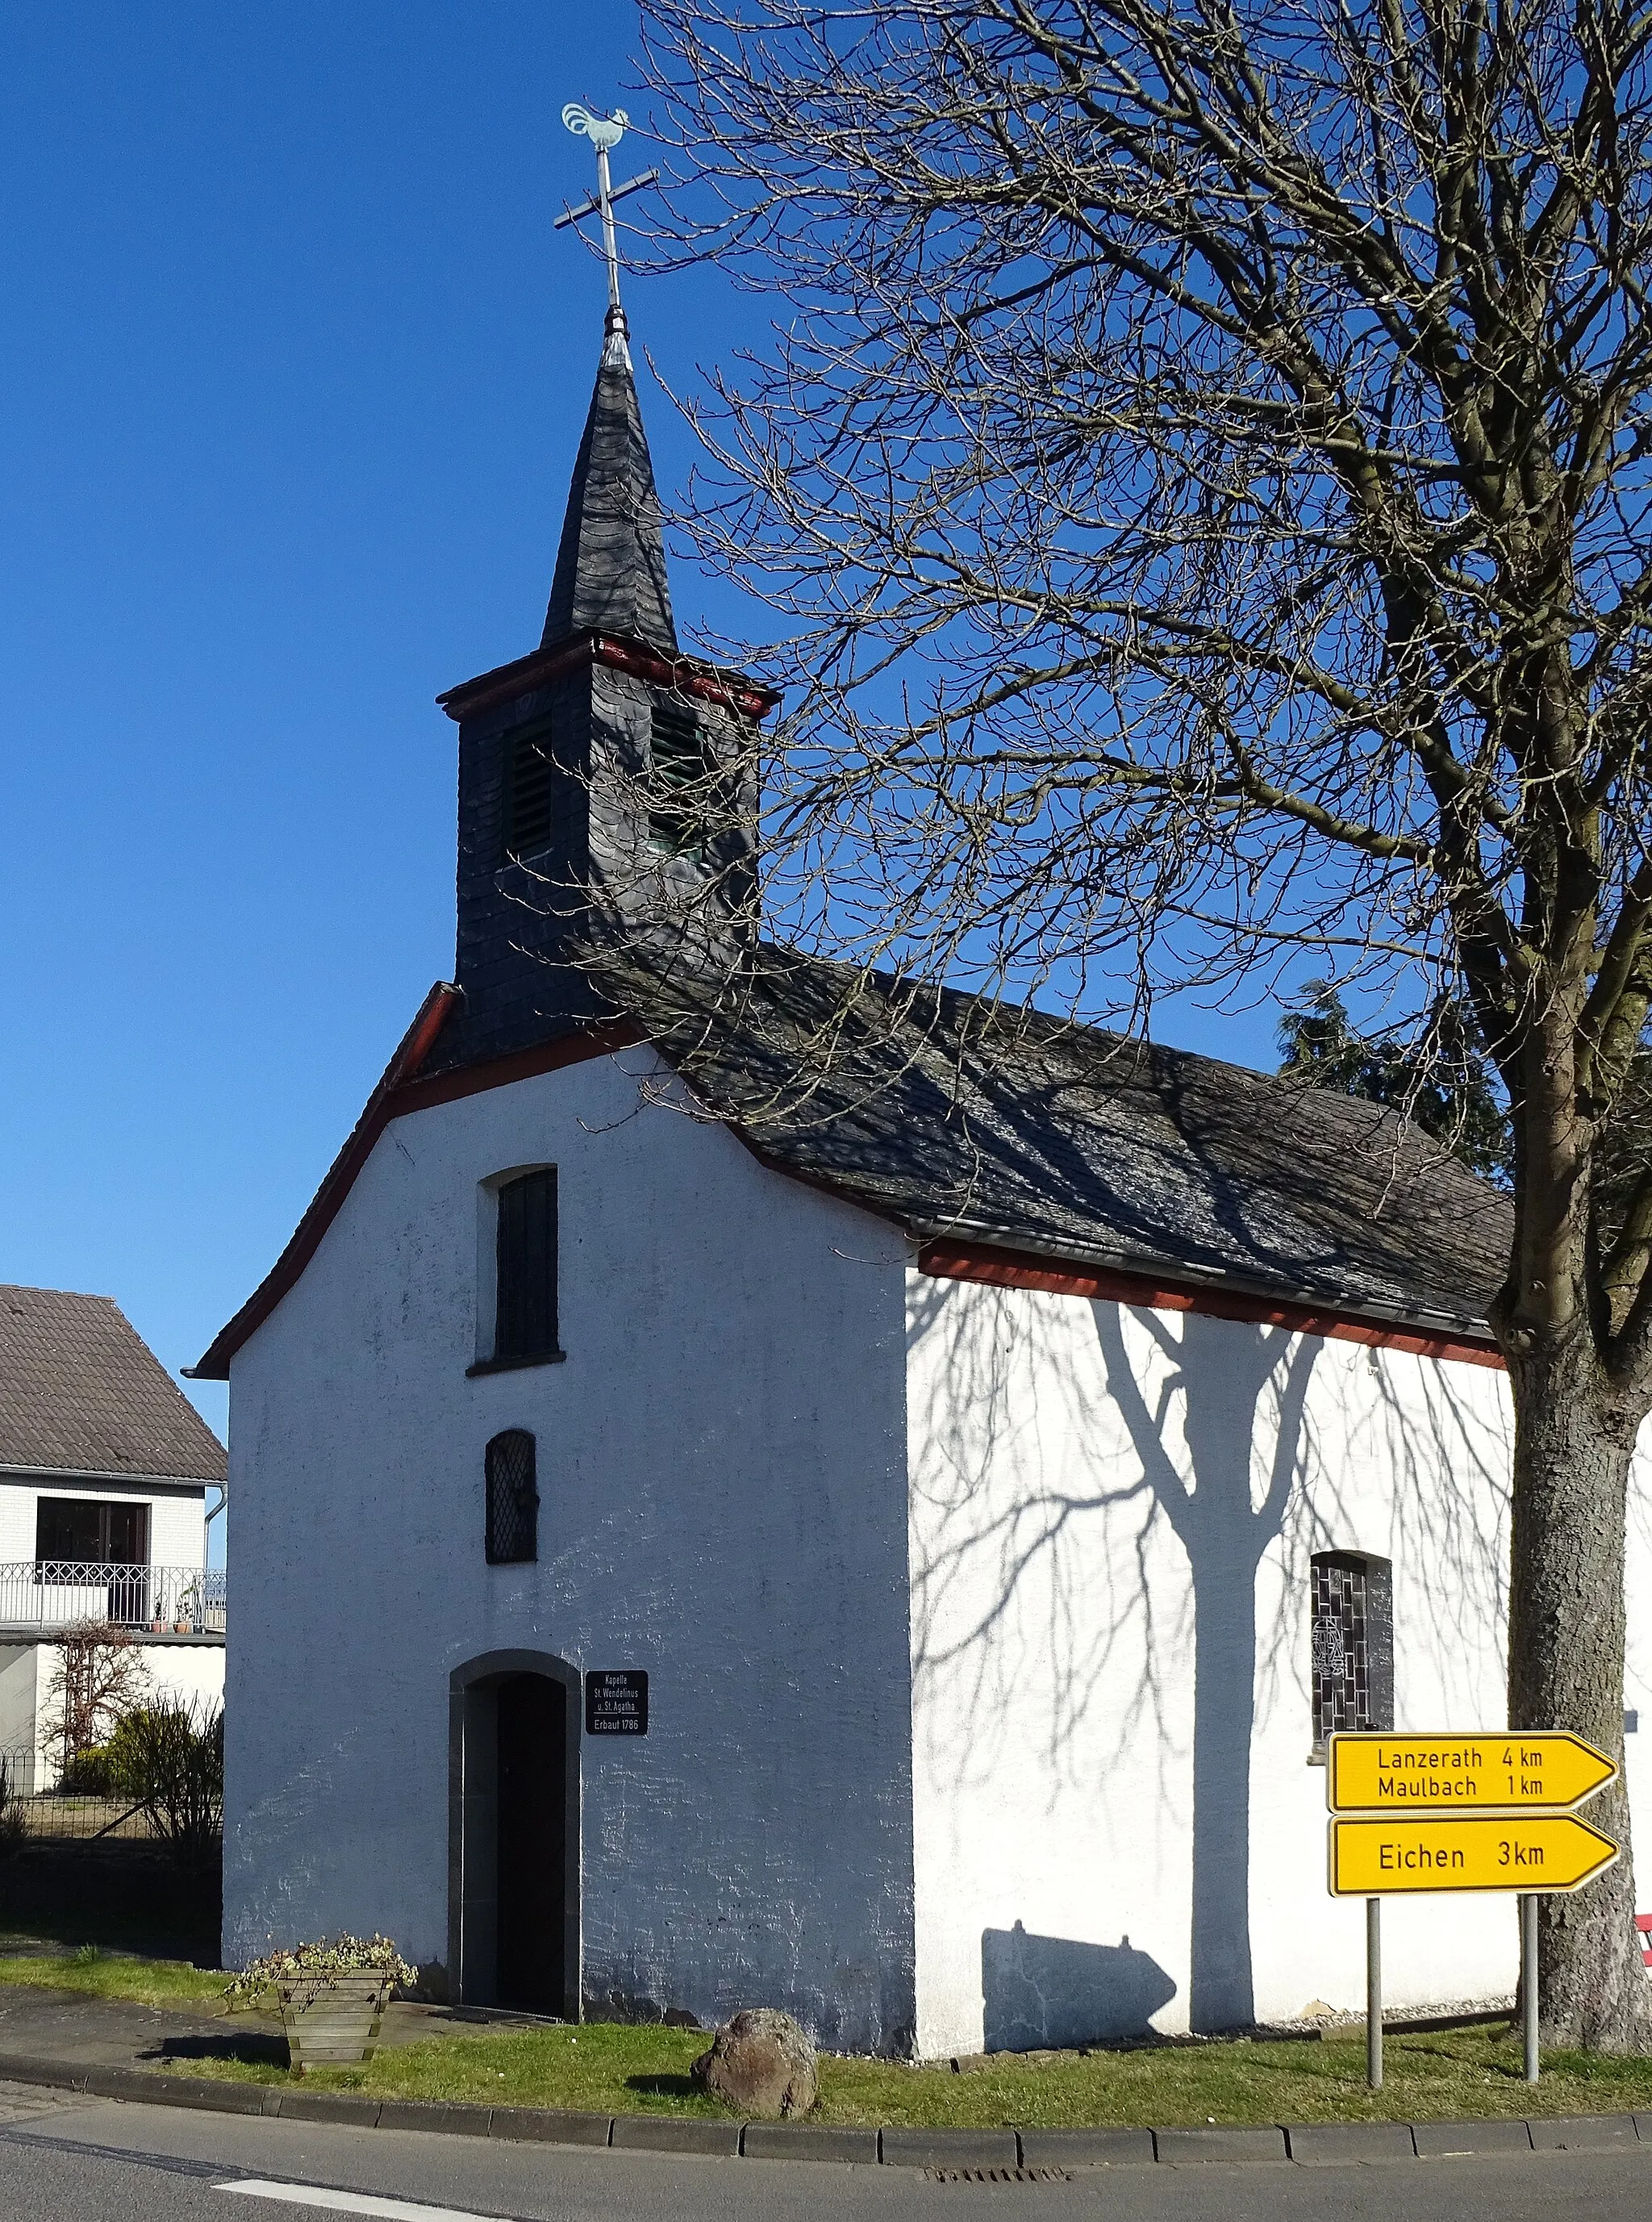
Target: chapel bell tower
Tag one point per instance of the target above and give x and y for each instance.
(584, 767)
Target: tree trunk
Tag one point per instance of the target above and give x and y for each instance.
(1574, 1437)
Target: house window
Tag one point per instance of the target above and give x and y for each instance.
(1351, 1643)
(512, 1499)
(524, 1315)
(678, 768)
(83, 1531)
(529, 779)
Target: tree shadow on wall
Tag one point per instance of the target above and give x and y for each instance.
(1218, 1372)
(1054, 1991)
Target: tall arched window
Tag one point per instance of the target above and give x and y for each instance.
(512, 1498)
(1351, 1643)
(524, 1317)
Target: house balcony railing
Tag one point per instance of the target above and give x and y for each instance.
(47, 1594)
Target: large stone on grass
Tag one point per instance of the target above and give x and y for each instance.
(761, 2063)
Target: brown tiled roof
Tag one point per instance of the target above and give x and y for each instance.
(82, 1393)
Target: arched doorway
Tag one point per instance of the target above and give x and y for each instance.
(513, 1833)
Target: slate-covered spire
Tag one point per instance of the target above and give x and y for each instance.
(611, 565)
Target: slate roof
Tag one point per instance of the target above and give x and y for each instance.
(1013, 1131)
(610, 562)
(82, 1393)
(1020, 1129)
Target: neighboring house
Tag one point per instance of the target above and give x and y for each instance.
(105, 1469)
(1005, 1470)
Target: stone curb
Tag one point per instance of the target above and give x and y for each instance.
(1313, 2145)
(1325, 2143)
(1182, 2146)
(1453, 2140)
(949, 2148)
(1087, 2148)
(784, 2141)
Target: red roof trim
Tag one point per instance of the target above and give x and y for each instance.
(396, 1094)
(732, 689)
(522, 1064)
(1014, 1268)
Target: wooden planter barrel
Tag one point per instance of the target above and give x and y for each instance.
(331, 2018)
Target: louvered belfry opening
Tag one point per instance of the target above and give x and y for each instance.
(530, 794)
(678, 768)
(512, 1498)
(1351, 1643)
(525, 1320)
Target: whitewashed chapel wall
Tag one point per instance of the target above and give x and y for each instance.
(1112, 1514)
(721, 1465)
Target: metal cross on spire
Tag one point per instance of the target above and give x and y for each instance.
(604, 133)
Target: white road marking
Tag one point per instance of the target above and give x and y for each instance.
(350, 2202)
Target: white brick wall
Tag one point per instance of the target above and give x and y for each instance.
(1061, 1623)
(177, 1518)
(721, 1465)
(979, 1813)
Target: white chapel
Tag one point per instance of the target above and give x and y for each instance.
(898, 1562)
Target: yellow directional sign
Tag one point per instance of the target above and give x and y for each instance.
(1373, 1856)
(1544, 1770)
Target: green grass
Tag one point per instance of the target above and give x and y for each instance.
(604, 2068)
(99, 1974)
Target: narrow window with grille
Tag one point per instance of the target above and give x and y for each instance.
(1351, 1643)
(512, 1498)
(676, 773)
(529, 784)
(524, 1319)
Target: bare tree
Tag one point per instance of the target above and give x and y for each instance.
(100, 1673)
(1201, 466)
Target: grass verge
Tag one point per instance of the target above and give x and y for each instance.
(601, 2068)
(100, 1974)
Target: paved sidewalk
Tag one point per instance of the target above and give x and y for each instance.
(89, 2033)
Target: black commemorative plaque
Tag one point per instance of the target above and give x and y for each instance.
(617, 1702)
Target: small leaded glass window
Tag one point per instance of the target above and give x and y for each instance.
(1351, 1643)
(512, 1498)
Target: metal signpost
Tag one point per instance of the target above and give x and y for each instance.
(1430, 1813)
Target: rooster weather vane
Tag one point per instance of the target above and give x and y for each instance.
(604, 133)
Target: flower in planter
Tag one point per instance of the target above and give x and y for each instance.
(331, 1995)
(320, 1964)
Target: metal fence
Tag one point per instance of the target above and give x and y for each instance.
(44, 1593)
(49, 1815)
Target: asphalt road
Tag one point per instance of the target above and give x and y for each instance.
(67, 2160)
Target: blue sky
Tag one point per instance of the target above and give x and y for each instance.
(292, 373)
